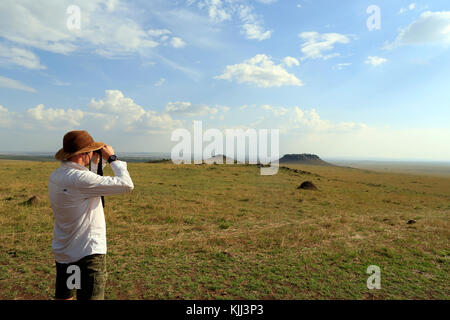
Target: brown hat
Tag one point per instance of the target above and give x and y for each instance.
(77, 142)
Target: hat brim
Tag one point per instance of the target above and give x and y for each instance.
(61, 155)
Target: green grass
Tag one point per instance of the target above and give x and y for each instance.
(226, 232)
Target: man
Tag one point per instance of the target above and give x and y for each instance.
(79, 234)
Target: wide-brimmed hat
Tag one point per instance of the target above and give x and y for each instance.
(76, 142)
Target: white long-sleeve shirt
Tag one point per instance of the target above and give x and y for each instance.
(75, 196)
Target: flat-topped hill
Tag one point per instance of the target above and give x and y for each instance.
(310, 159)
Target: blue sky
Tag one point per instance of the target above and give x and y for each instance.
(136, 70)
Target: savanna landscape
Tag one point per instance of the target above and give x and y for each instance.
(227, 232)
(350, 97)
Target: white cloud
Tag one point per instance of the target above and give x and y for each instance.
(14, 84)
(39, 31)
(223, 10)
(216, 10)
(119, 40)
(189, 110)
(177, 42)
(317, 44)
(260, 71)
(158, 122)
(429, 28)
(105, 29)
(310, 120)
(341, 66)
(280, 111)
(252, 24)
(375, 61)
(54, 118)
(160, 82)
(163, 36)
(194, 27)
(5, 117)
(290, 61)
(122, 113)
(411, 7)
(293, 121)
(114, 111)
(20, 57)
(178, 106)
(115, 102)
(118, 110)
(256, 32)
(158, 32)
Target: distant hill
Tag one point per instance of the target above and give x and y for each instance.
(304, 158)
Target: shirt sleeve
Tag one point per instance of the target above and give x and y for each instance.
(92, 185)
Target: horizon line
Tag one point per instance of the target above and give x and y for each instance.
(332, 158)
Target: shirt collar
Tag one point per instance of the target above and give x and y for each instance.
(74, 165)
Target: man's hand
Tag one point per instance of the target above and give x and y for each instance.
(107, 151)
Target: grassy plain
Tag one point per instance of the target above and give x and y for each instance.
(226, 232)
